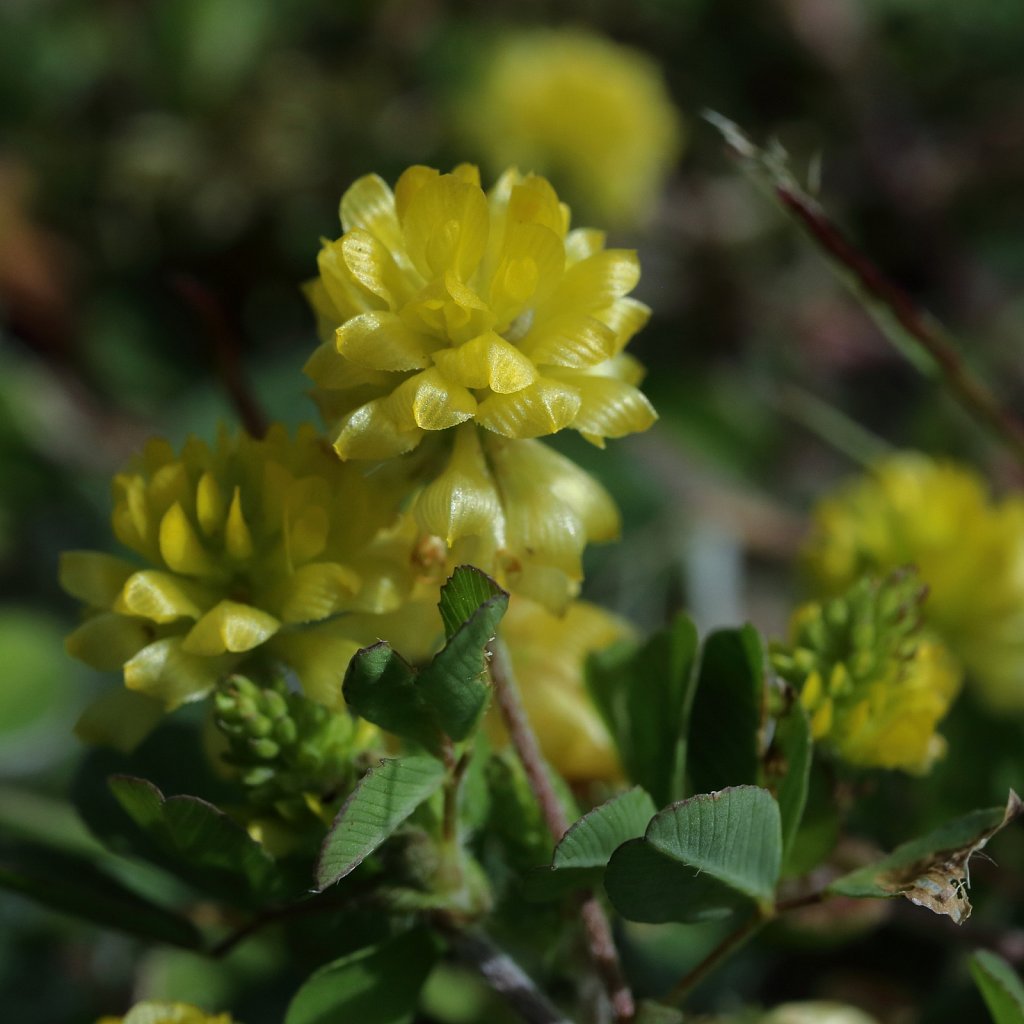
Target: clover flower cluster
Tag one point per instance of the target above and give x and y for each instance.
(458, 327)
(968, 549)
(873, 683)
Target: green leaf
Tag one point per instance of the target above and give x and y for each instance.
(74, 885)
(200, 842)
(583, 852)
(932, 871)
(1000, 987)
(727, 711)
(448, 696)
(385, 796)
(455, 683)
(379, 985)
(644, 692)
(788, 771)
(466, 591)
(381, 687)
(700, 859)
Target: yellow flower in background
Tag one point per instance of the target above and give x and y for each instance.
(968, 549)
(582, 109)
(816, 1013)
(245, 543)
(548, 654)
(873, 684)
(442, 305)
(168, 1013)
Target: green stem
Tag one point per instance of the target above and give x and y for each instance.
(730, 944)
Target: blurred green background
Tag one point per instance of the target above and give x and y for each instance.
(166, 171)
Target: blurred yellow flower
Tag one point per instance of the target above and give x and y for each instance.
(816, 1013)
(968, 549)
(245, 543)
(873, 685)
(548, 654)
(167, 1013)
(582, 109)
(442, 305)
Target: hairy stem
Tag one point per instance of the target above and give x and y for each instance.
(600, 944)
(912, 330)
(503, 975)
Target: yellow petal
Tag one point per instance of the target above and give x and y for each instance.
(445, 227)
(448, 309)
(161, 597)
(210, 505)
(229, 627)
(462, 501)
(330, 370)
(237, 535)
(93, 577)
(370, 204)
(108, 640)
(594, 283)
(343, 291)
(487, 361)
(382, 341)
(610, 408)
(320, 656)
(545, 407)
(546, 584)
(433, 402)
(120, 719)
(625, 317)
(164, 671)
(543, 478)
(307, 534)
(180, 547)
(569, 339)
(371, 264)
(582, 243)
(534, 201)
(315, 591)
(529, 267)
(131, 519)
(373, 432)
(409, 183)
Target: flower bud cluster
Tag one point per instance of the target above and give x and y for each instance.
(873, 683)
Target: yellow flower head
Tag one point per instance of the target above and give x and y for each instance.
(167, 1013)
(244, 543)
(968, 549)
(548, 655)
(582, 109)
(443, 305)
(874, 686)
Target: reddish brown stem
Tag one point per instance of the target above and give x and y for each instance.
(227, 350)
(600, 943)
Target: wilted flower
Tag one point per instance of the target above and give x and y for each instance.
(519, 511)
(968, 549)
(873, 684)
(245, 543)
(442, 305)
(548, 654)
(580, 108)
(167, 1013)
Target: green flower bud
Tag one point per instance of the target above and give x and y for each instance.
(874, 685)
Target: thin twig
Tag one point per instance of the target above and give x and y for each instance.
(503, 975)
(915, 332)
(729, 945)
(227, 350)
(600, 944)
